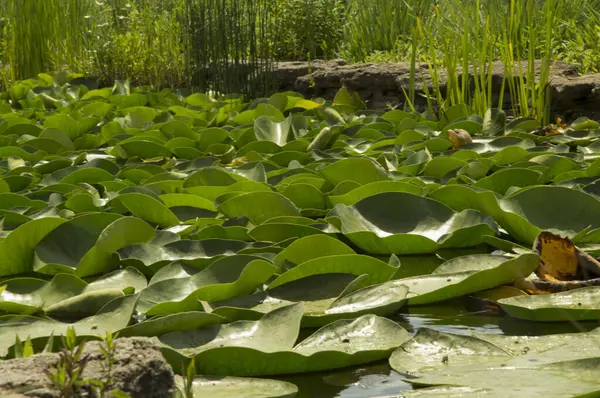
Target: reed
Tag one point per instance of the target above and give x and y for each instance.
(160, 43)
(230, 45)
(378, 25)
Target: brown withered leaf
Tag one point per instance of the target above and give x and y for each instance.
(459, 137)
(551, 129)
(540, 286)
(561, 260)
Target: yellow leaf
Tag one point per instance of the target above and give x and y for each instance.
(561, 260)
(307, 104)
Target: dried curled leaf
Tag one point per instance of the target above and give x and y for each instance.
(539, 286)
(558, 257)
(561, 260)
(459, 137)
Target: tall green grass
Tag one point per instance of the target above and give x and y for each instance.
(307, 29)
(521, 33)
(220, 45)
(227, 46)
(230, 45)
(374, 26)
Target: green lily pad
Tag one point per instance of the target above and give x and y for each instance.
(177, 289)
(403, 223)
(554, 365)
(467, 274)
(574, 305)
(234, 387)
(111, 318)
(266, 346)
(326, 298)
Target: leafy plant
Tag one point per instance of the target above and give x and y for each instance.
(66, 375)
(307, 29)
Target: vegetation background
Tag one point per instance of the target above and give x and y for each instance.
(213, 44)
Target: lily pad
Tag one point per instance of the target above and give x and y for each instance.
(234, 387)
(326, 298)
(555, 365)
(267, 346)
(574, 305)
(404, 223)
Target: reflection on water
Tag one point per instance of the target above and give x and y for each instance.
(374, 380)
(379, 380)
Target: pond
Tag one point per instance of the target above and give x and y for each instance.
(379, 380)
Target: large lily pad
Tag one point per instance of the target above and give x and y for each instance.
(555, 365)
(177, 288)
(574, 305)
(267, 346)
(233, 387)
(66, 294)
(467, 274)
(326, 298)
(111, 318)
(404, 223)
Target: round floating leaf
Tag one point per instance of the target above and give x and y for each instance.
(277, 232)
(316, 292)
(501, 180)
(259, 206)
(122, 232)
(225, 278)
(310, 247)
(374, 188)
(355, 264)
(30, 295)
(467, 274)
(555, 365)
(360, 170)
(65, 246)
(234, 387)
(403, 223)
(266, 129)
(147, 208)
(562, 211)
(16, 250)
(171, 323)
(266, 346)
(111, 318)
(575, 305)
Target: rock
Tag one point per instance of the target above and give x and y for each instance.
(140, 371)
(380, 84)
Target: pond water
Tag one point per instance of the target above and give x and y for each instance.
(378, 380)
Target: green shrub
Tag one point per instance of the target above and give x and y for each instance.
(307, 29)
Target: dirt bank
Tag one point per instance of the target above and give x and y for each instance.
(382, 84)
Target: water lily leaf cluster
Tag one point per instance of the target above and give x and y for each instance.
(221, 227)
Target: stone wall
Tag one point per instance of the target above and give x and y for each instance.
(380, 84)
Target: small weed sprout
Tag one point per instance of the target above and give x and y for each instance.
(188, 379)
(65, 376)
(23, 349)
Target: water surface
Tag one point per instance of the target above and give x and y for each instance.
(378, 380)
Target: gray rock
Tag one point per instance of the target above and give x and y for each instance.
(140, 371)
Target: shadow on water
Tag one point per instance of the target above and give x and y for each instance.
(379, 380)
